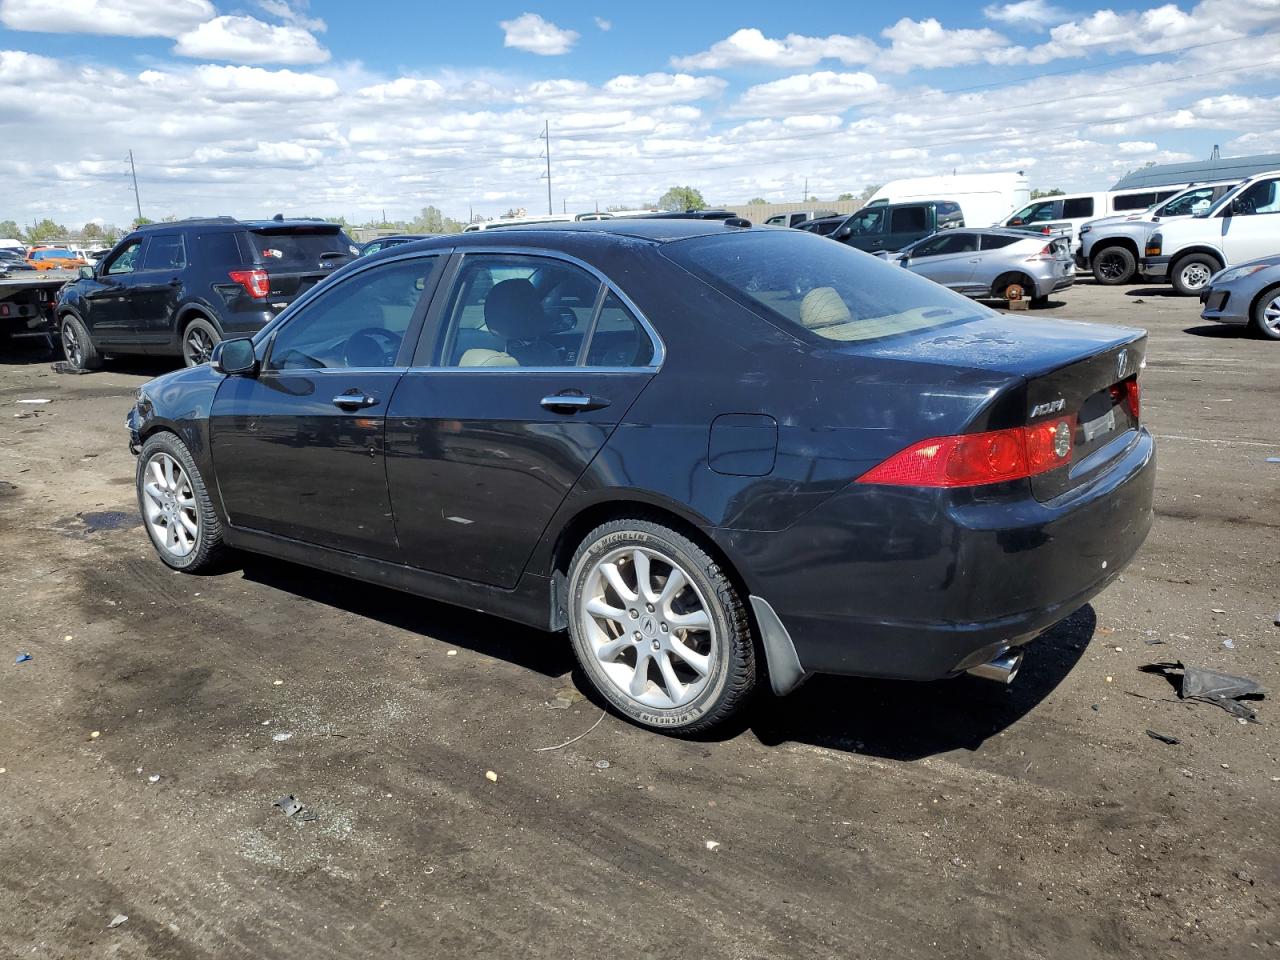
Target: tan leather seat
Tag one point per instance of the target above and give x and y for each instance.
(513, 310)
(822, 307)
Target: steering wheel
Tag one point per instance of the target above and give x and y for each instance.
(372, 347)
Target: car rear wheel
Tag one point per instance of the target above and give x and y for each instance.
(1266, 314)
(1114, 266)
(77, 347)
(659, 629)
(175, 505)
(199, 337)
(1191, 273)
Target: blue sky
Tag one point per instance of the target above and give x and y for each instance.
(345, 108)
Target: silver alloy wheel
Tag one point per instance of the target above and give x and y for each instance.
(1271, 316)
(648, 626)
(170, 504)
(197, 346)
(1195, 275)
(71, 348)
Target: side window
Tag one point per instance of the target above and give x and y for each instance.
(1189, 203)
(218, 249)
(1134, 201)
(946, 243)
(515, 311)
(910, 220)
(166, 251)
(1035, 213)
(126, 261)
(358, 323)
(994, 241)
(1077, 207)
(618, 340)
(1262, 197)
(867, 221)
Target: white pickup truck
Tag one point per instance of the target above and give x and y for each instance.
(1243, 225)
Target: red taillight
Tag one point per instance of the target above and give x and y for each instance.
(1045, 254)
(1046, 231)
(256, 283)
(1129, 393)
(972, 459)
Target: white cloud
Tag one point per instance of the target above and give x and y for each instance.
(123, 18)
(750, 47)
(810, 92)
(1026, 13)
(293, 14)
(928, 44)
(1157, 30)
(529, 32)
(603, 24)
(249, 40)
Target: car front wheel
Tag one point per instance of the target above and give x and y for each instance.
(1114, 266)
(1192, 273)
(659, 629)
(1266, 315)
(176, 508)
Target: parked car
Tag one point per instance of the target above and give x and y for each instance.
(988, 263)
(1111, 247)
(1241, 226)
(383, 243)
(831, 470)
(823, 226)
(177, 289)
(1065, 214)
(1247, 294)
(889, 227)
(797, 218)
(54, 258)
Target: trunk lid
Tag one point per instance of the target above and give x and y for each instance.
(296, 258)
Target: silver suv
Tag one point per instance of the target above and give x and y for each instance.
(1112, 246)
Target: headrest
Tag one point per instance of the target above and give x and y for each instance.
(822, 307)
(513, 310)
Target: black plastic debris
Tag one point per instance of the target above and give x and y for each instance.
(1163, 738)
(63, 367)
(1209, 686)
(289, 804)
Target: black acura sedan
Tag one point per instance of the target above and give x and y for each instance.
(714, 453)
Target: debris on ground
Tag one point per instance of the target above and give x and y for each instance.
(564, 698)
(1152, 641)
(63, 367)
(94, 735)
(1217, 610)
(1229, 643)
(575, 739)
(1163, 738)
(602, 764)
(491, 776)
(712, 844)
(154, 778)
(36, 400)
(118, 919)
(289, 804)
(281, 737)
(23, 658)
(1209, 686)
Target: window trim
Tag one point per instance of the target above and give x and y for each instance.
(426, 355)
(411, 334)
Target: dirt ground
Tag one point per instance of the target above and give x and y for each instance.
(851, 819)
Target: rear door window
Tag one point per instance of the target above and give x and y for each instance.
(945, 243)
(1077, 207)
(994, 241)
(913, 219)
(166, 251)
(218, 249)
(618, 340)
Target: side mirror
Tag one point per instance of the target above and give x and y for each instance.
(86, 273)
(904, 261)
(844, 232)
(235, 358)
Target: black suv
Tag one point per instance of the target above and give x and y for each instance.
(888, 227)
(177, 289)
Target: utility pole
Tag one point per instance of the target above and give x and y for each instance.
(546, 135)
(805, 198)
(134, 174)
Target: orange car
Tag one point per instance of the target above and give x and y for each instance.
(55, 258)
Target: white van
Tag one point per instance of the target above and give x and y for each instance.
(984, 198)
(518, 222)
(1064, 214)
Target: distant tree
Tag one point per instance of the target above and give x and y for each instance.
(91, 231)
(1039, 194)
(142, 222)
(169, 218)
(10, 230)
(451, 225)
(682, 198)
(812, 200)
(110, 234)
(845, 196)
(755, 200)
(430, 220)
(46, 229)
(868, 192)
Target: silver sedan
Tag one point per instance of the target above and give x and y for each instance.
(1246, 294)
(987, 263)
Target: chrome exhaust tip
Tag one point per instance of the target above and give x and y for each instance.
(1001, 669)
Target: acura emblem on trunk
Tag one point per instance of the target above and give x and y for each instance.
(1052, 406)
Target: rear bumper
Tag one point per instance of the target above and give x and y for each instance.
(1154, 267)
(922, 584)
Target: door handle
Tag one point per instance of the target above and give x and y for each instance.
(354, 401)
(573, 402)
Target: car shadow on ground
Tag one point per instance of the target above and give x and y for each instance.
(545, 653)
(1166, 291)
(1219, 331)
(30, 352)
(904, 720)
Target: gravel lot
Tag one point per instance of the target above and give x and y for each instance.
(852, 819)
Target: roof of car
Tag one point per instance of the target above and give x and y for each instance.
(619, 229)
(232, 222)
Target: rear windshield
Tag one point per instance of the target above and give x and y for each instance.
(813, 286)
(299, 247)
